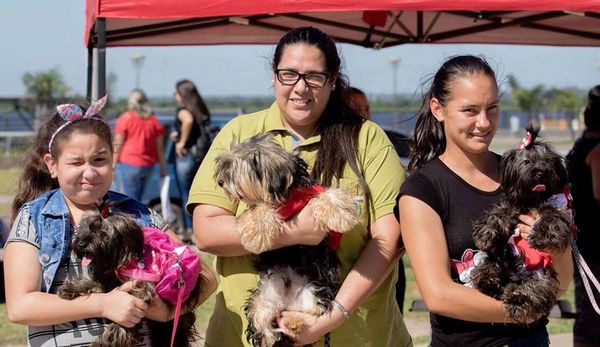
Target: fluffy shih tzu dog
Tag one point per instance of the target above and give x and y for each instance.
(275, 184)
(109, 243)
(515, 269)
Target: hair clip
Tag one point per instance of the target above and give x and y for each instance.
(104, 212)
(525, 142)
(72, 112)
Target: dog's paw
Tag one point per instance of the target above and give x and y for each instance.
(70, 290)
(552, 231)
(334, 209)
(116, 336)
(259, 227)
(292, 323)
(533, 297)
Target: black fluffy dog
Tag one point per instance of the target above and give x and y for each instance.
(108, 243)
(533, 178)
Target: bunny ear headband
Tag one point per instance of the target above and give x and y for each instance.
(72, 112)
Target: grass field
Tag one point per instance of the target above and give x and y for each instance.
(15, 335)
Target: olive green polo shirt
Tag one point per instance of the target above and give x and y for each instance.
(376, 323)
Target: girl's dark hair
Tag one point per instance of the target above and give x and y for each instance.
(429, 138)
(339, 124)
(192, 101)
(35, 178)
(591, 115)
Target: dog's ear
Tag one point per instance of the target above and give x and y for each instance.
(128, 234)
(90, 240)
(509, 172)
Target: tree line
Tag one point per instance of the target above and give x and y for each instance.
(44, 88)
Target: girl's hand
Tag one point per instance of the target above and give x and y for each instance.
(123, 308)
(527, 223)
(158, 310)
(174, 135)
(180, 149)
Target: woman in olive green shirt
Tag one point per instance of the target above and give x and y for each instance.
(310, 118)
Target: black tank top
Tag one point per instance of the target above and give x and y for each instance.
(194, 132)
(586, 207)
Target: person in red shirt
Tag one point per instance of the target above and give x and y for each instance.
(139, 145)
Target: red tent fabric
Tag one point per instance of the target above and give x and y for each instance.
(370, 23)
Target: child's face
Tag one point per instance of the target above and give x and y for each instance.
(83, 169)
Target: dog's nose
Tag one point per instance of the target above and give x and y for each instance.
(220, 183)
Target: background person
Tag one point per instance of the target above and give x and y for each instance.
(453, 178)
(358, 100)
(584, 173)
(139, 145)
(192, 120)
(310, 118)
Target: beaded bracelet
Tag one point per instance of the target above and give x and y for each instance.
(342, 309)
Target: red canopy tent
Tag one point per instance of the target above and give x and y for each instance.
(369, 23)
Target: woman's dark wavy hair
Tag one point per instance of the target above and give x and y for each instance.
(591, 115)
(35, 178)
(429, 139)
(339, 125)
(192, 101)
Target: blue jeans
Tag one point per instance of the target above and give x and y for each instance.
(540, 340)
(185, 169)
(133, 179)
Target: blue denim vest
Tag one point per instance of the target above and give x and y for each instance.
(50, 216)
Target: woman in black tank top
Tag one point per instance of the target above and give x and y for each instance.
(191, 118)
(584, 174)
(454, 178)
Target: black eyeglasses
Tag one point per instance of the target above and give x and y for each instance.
(312, 79)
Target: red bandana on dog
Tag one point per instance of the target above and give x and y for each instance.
(298, 198)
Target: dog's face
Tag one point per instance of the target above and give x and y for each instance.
(108, 243)
(532, 174)
(258, 171)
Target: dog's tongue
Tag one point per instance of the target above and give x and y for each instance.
(539, 188)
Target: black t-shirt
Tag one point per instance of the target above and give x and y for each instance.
(458, 204)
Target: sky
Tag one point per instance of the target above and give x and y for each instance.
(36, 36)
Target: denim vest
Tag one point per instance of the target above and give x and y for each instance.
(50, 216)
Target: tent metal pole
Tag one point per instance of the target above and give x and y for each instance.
(90, 69)
(101, 63)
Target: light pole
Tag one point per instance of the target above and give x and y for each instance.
(395, 61)
(138, 60)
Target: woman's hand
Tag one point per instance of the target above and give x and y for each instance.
(123, 308)
(174, 136)
(300, 230)
(180, 149)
